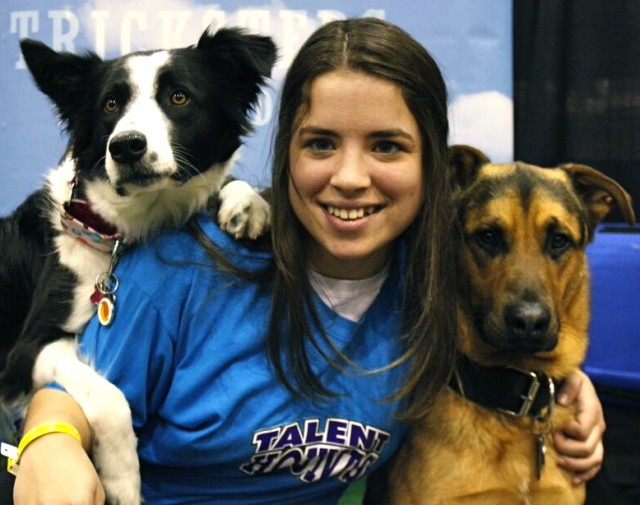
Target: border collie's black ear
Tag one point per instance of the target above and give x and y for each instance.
(61, 76)
(245, 61)
(464, 162)
(246, 55)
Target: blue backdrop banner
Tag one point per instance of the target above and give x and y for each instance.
(470, 39)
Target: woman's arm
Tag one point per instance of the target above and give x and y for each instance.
(55, 468)
(580, 445)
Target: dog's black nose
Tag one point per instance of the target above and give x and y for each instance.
(527, 320)
(128, 147)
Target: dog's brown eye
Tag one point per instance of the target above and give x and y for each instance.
(559, 242)
(487, 238)
(111, 105)
(179, 98)
(491, 240)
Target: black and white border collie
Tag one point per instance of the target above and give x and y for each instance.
(152, 136)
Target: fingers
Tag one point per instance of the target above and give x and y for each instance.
(579, 444)
(99, 498)
(571, 389)
(581, 436)
(583, 468)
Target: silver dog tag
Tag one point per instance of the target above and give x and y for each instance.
(106, 285)
(541, 453)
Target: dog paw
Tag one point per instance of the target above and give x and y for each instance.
(115, 457)
(243, 212)
(114, 451)
(121, 491)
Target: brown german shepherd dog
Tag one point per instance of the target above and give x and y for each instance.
(524, 315)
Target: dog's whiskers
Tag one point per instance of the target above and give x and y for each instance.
(184, 164)
(101, 162)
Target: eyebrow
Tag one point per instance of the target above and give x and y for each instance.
(379, 134)
(315, 130)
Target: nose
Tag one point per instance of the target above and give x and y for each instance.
(351, 173)
(128, 147)
(527, 320)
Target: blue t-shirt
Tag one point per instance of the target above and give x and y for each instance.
(187, 348)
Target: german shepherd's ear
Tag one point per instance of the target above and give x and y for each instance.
(598, 192)
(464, 162)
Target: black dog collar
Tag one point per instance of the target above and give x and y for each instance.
(508, 390)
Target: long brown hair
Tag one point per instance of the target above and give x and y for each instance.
(383, 50)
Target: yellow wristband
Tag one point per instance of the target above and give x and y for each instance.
(39, 431)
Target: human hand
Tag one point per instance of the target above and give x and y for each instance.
(579, 445)
(56, 470)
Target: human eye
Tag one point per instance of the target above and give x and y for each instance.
(387, 147)
(319, 144)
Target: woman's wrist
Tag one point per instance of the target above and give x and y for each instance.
(55, 408)
(39, 431)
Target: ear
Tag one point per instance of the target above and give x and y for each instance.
(245, 61)
(599, 192)
(464, 162)
(62, 76)
(245, 55)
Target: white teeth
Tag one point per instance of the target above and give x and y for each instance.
(350, 214)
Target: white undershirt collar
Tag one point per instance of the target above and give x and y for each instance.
(348, 298)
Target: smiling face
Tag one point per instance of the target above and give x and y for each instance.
(356, 172)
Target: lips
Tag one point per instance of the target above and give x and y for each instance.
(350, 214)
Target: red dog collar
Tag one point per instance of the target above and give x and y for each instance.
(79, 221)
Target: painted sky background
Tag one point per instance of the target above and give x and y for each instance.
(470, 40)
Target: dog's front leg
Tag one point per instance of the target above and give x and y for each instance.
(107, 410)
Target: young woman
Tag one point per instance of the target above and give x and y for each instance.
(279, 377)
